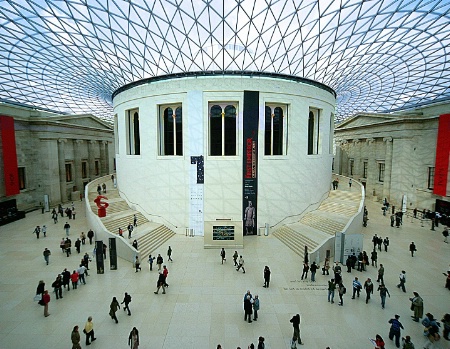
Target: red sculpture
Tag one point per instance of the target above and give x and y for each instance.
(101, 205)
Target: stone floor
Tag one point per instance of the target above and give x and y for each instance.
(203, 305)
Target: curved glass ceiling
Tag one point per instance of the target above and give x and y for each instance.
(69, 56)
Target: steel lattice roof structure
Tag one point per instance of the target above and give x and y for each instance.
(69, 56)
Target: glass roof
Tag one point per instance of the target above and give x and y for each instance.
(71, 55)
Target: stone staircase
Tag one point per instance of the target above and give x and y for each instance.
(149, 235)
(315, 227)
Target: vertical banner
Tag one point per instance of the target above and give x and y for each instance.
(10, 168)
(112, 254)
(441, 167)
(99, 257)
(250, 161)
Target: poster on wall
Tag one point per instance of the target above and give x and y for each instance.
(8, 146)
(223, 232)
(441, 179)
(250, 163)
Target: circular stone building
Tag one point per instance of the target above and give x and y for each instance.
(224, 154)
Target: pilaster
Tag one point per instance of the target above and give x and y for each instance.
(62, 168)
(387, 167)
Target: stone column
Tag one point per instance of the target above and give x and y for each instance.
(387, 168)
(357, 158)
(371, 166)
(103, 145)
(91, 159)
(344, 157)
(77, 144)
(108, 169)
(62, 168)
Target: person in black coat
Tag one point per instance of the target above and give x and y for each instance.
(248, 308)
(296, 324)
(160, 283)
(266, 276)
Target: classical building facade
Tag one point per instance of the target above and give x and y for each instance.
(225, 153)
(394, 155)
(48, 158)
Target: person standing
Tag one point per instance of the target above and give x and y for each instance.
(75, 337)
(445, 234)
(113, 308)
(74, 279)
(137, 264)
(165, 273)
(392, 217)
(78, 245)
(40, 288)
(412, 248)
(241, 264)
(66, 279)
(133, 339)
(54, 216)
(313, 269)
(394, 331)
(134, 221)
(248, 308)
(222, 255)
(305, 270)
(374, 257)
(296, 325)
(67, 228)
(169, 254)
(104, 188)
(150, 262)
(368, 286)
(383, 292)
(326, 266)
(350, 183)
(255, 307)
(356, 287)
(341, 291)
(266, 276)
(416, 306)
(46, 300)
(431, 331)
(130, 229)
(57, 286)
(159, 261)
(89, 331)
(83, 238)
(446, 322)
(81, 271)
(331, 288)
(46, 254)
(44, 230)
(37, 231)
(160, 283)
(127, 301)
(235, 257)
(379, 342)
(406, 343)
(402, 278)
(381, 274)
(90, 236)
(105, 248)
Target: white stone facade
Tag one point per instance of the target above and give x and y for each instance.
(46, 143)
(164, 188)
(404, 143)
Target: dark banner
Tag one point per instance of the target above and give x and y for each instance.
(10, 168)
(112, 254)
(442, 156)
(99, 257)
(250, 165)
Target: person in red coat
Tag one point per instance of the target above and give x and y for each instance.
(46, 300)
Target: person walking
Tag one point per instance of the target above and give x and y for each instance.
(381, 274)
(135, 244)
(305, 270)
(127, 301)
(255, 307)
(331, 288)
(37, 231)
(81, 271)
(67, 228)
(78, 245)
(386, 243)
(165, 273)
(169, 254)
(160, 283)
(402, 278)
(368, 286)
(57, 287)
(46, 254)
(431, 331)
(46, 300)
(406, 343)
(137, 264)
(235, 257)
(159, 261)
(90, 236)
(222, 255)
(44, 230)
(133, 338)
(446, 322)
(373, 258)
(40, 290)
(326, 267)
(266, 276)
(356, 287)
(89, 331)
(134, 221)
(444, 233)
(295, 321)
(416, 306)
(75, 338)
(130, 229)
(394, 331)
(412, 248)
(113, 308)
(383, 292)
(74, 279)
(241, 264)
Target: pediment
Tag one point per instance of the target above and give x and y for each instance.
(364, 120)
(84, 120)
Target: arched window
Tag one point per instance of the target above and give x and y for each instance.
(313, 131)
(222, 129)
(275, 127)
(171, 130)
(132, 128)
